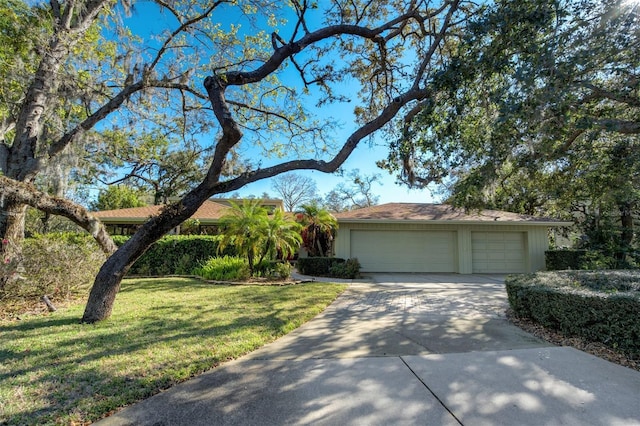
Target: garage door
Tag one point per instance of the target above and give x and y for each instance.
(404, 251)
(498, 252)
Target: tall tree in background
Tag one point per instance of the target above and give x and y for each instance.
(356, 194)
(154, 163)
(295, 190)
(392, 50)
(118, 197)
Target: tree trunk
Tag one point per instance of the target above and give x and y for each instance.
(107, 282)
(12, 217)
(626, 235)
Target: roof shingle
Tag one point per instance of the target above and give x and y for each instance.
(209, 210)
(433, 212)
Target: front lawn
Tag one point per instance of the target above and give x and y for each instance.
(54, 370)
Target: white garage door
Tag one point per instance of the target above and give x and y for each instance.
(498, 252)
(404, 251)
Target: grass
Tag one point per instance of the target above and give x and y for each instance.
(54, 370)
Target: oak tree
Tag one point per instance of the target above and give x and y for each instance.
(256, 82)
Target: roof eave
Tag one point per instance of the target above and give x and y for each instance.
(141, 220)
(457, 222)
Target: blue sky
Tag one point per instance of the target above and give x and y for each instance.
(145, 20)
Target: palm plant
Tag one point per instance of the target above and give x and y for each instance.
(244, 227)
(255, 235)
(319, 228)
(281, 237)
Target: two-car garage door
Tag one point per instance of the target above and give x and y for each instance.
(437, 251)
(405, 251)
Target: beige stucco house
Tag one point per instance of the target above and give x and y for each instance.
(206, 218)
(410, 237)
(403, 237)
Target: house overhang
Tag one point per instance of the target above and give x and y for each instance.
(455, 222)
(141, 220)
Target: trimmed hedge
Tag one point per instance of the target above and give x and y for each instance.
(176, 254)
(558, 260)
(329, 267)
(318, 266)
(600, 306)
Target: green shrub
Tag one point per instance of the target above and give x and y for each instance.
(227, 268)
(595, 305)
(176, 254)
(597, 260)
(558, 260)
(317, 266)
(273, 269)
(349, 269)
(59, 265)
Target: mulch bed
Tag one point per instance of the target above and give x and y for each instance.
(594, 348)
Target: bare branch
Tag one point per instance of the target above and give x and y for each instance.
(182, 28)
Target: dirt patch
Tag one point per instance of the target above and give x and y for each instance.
(594, 348)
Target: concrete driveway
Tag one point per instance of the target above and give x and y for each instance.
(428, 349)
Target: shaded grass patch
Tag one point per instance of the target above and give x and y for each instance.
(54, 370)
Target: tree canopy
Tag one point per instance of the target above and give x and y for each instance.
(261, 81)
(295, 190)
(538, 114)
(357, 192)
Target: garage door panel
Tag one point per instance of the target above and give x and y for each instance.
(404, 251)
(498, 252)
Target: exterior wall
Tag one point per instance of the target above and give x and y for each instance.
(536, 241)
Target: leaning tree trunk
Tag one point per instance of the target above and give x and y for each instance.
(107, 282)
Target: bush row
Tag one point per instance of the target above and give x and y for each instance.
(558, 260)
(329, 267)
(597, 306)
(59, 265)
(176, 254)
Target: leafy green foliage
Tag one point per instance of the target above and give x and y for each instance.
(163, 331)
(118, 197)
(558, 260)
(319, 229)
(329, 267)
(317, 266)
(59, 265)
(349, 269)
(153, 163)
(176, 254)
(256, 235)
(598, 306)
(538, 114)
(274, 270)
(226, 268)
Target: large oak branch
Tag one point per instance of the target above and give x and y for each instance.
(24, 193)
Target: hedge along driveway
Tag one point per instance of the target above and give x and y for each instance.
(54, 370)
(600, 306)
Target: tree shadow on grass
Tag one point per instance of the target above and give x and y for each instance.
(87, 365)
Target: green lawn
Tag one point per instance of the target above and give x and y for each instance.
(54, 370)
